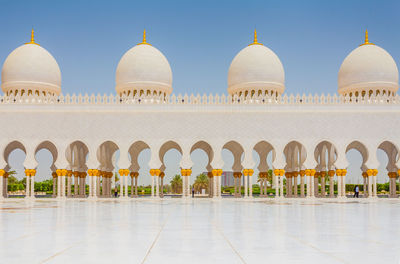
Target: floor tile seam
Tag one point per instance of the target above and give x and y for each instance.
(229, 242)
(58, 253)
(303, 242)
(156, 238)
(65, 249)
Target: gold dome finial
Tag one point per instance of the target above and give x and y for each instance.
(32, 38)
(255, 42)
(144, 39)
(366, 39)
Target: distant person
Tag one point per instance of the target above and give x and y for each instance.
(193, 192)
(115, 191)
(356, 191)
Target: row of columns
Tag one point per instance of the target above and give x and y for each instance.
(313, 186)
(392, 184)
(263, 178)
(3, 184)
(237, 182)
(63, 177)
(210, 184)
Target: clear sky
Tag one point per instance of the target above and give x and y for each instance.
(200, 38)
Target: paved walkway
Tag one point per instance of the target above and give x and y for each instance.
(200, 231)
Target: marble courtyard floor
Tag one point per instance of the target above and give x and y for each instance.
(200, 231)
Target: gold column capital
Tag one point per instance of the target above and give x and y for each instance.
(186, 172)
(59, 172)
(125, 172)
(217, 172)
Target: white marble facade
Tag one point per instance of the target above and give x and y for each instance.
(308, 135)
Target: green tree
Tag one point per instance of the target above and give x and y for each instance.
(270, 176)
(200, 183)
(11, 178)
(116, 178)
(176, 184)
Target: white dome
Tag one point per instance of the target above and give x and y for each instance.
(143, 68)
(257, 68)
(368, 68)
(31, 68)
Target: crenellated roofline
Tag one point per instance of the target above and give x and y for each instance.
(206, 99)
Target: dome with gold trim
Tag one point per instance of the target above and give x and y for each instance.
(143, 70)
(368, 69)
(256, 70)
(30, 69)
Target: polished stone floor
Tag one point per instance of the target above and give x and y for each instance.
(200, 231)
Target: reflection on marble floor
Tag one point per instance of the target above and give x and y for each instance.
(200, 231)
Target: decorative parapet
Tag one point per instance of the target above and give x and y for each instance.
(198, 99)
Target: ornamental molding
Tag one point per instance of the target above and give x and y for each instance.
(210, 99)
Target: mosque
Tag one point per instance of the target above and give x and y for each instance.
(308, 135)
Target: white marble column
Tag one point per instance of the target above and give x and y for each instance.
(98, 185)
(152, 173)
(69, 183)
(32, 186)
(58, 183)
(251, 185)
(246, 186)
(54, 174)
(375, 189)
(62, 185)
(344, 184)
(312, 183)
(315, 185)
(5, 192)
(94, 182)
(215, 183)
(370, 195)
(323, 183)
(76, 184)
(219, 185)
(331, 174)
(157, 186)
(365, 184)
(339, 186)
(2, 172)
(126, 185)
(27, 187)
(308, 183)
(288, 184)
(121, 186)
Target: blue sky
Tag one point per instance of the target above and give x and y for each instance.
(200, 39)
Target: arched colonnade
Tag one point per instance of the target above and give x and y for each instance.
(304, 166)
